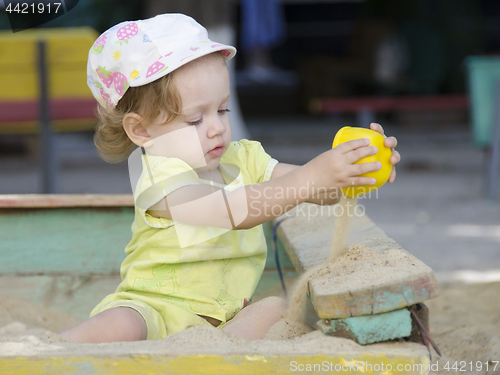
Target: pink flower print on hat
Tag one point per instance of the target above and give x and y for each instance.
(105, 76)
(225, 52)
(126, 32)
(194, 48)
(121, 83)
(99, 44)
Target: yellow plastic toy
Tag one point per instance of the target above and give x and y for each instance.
(383, 155)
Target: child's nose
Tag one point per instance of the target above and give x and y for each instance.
(217, 127)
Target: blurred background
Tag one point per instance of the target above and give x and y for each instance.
(424, 69)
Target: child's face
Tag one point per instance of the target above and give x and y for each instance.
(201, 133)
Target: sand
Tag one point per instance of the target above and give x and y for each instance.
(361, 267)
(296, 313)
(464, 322)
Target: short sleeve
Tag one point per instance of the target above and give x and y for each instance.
(160, 176)
(259, 163)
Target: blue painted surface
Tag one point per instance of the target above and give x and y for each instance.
(77, 241)
(373, 328)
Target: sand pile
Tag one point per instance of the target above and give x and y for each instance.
(464, 322)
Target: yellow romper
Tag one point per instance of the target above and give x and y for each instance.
(171, 284)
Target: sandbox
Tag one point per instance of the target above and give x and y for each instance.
(29, 344)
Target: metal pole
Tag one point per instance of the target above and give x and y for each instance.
(48, 162)
(494, 165)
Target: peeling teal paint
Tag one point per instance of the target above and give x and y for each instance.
(373, 328)
(78, 241)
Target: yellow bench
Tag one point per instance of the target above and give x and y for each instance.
(72, 105)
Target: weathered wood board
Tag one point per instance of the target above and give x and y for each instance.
(368, 329)
(61, 234)
(75, 234)
(17, 201)
(385, 276)
(222, 364)
(216, 354)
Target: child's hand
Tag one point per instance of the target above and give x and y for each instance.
(390, 142)
(336, 169)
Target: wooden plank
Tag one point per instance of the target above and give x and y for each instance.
(63, 240)
(14, 201)
(389, 278)
(369, 329)
(220, 354)
(242, 364)
(60, 109)
(67, 54)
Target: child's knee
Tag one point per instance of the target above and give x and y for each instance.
(273, 306)
(124, 323)
(116, 324)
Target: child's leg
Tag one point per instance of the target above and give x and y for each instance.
(253, 322)
(116, 324)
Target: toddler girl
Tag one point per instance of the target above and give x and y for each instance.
(198, 249)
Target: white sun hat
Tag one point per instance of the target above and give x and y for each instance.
(135, 53)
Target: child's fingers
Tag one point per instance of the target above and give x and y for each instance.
(395, 158)
(392, 177)
(357, 181)
(359, 153)
(352, 145)
(362, 168)
(377, 127)
(391, 142)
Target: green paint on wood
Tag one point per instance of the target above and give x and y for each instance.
(369, 329)
(78, 241)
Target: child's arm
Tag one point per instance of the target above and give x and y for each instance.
(255, 204)
(328, 199)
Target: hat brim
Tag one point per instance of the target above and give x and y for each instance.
(173, 60)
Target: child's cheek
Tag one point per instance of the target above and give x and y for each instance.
(183, 144)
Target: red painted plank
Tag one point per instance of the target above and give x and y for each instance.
(65, 200)
(60, 109)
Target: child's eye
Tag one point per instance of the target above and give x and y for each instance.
(196, 122)
(223, 111)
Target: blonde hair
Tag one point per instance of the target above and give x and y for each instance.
(149, 101)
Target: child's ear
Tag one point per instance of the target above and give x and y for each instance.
(133, 126)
